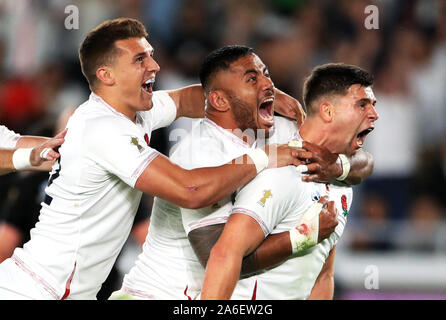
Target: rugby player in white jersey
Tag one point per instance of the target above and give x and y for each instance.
(19, 152)
(233, 78)
(106, 163)
(340, 113)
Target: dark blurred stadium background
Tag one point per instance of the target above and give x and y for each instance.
(396, 229)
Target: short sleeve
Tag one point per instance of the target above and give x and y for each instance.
(8, 138)
(164, 110)
(119, 147)
(198, 218)
(271, 196)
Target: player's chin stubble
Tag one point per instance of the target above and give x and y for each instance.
(243, 113)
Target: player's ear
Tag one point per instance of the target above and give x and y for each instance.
(218, 100)
(105, 75)
(326, 111)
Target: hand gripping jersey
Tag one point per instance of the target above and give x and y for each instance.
(90, 199)
(277, 199)
(8, 138)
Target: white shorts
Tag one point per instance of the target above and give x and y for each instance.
(16, 284)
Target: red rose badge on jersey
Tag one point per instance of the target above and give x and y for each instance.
(146, 138)
(344, 204)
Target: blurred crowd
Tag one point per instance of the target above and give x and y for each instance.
(400, 207)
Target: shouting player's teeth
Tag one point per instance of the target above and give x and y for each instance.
(147, 86)
(266, 110)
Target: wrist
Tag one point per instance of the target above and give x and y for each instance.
(21, 158)
(345, 165)
(305, 235)
(259, 158)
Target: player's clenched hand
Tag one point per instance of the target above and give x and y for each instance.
(321, 163)
(287, 106)
(280, 155)
(47, 150)
(328, 219)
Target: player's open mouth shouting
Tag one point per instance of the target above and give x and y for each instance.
(266, 110)
(360, 137)
(147, 85)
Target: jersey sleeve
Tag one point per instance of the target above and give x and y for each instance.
(164, 110)
(198, 218)
(8, 138)
(119, 147)
(272, 196)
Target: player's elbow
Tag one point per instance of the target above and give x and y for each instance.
(194, 201)
(195, 197)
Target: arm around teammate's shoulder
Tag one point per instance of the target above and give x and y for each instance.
(192, 188)
(201, 187)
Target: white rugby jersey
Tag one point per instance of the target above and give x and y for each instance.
(8, 138)
(90, 201)
(168, 268)
(277, 199)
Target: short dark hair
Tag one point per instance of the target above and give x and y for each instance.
(332, 78)
(99, 48)
(221, 59)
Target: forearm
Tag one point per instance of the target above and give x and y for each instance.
(210, 185)
(195, 188)
(272, 251)
(30, 141)
(6, 164)
(221, 276)
(275, 249)
(323, 288)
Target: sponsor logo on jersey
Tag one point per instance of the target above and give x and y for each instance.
(266, 194)
(135, 142)
(344, 204)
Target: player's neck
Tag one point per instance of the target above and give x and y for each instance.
(116, 104)
(313, 132)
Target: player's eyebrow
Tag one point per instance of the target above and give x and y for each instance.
(140, 54)
(144, 54)
(250, 71)
(265, 70)
(367, 100)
